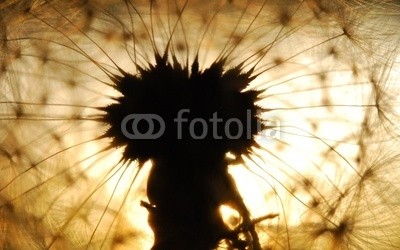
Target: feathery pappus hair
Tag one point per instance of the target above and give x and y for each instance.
(187, 124)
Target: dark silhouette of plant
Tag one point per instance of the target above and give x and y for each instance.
(283, 111)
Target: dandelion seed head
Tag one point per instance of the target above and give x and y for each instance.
(166, 89)
(326, 69)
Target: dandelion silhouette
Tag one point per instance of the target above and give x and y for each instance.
(73, 178)
(185, 195)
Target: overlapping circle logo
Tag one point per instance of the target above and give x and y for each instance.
(136, 133)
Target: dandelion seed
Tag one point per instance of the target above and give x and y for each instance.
(320, 174)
